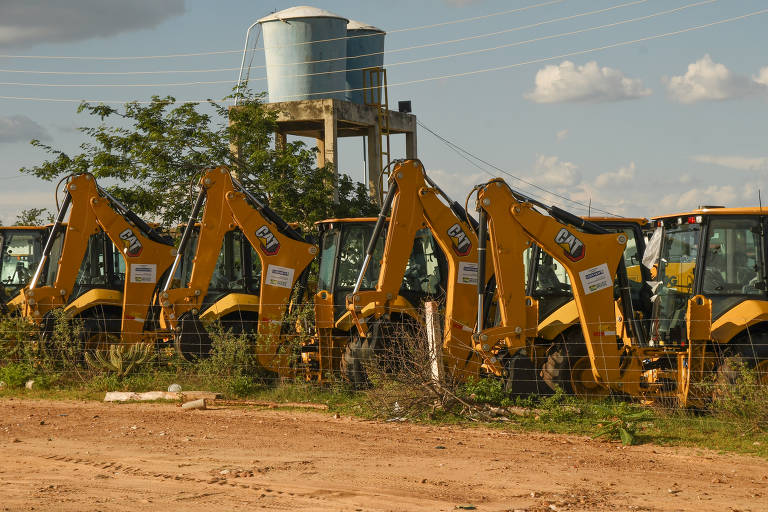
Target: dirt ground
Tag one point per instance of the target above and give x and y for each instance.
(96, 456)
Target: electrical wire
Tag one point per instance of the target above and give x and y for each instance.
(416, 61)
(396, 50)
(457, 148)
(454, 75)
(222, 52)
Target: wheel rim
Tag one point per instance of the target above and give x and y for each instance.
(583, 381)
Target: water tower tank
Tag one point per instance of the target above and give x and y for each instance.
(305, 49)
(365, 49)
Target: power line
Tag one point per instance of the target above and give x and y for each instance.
(415, 61)
(457, 148)
(372, 54)
(222, 52)
(457, 75)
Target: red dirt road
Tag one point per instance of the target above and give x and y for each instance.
(94, 456)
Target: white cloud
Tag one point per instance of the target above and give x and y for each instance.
(741, 163)
(622, 176)
(26, 23)
(458, 184)
(724, 195)
(709, 80)
(589, 83)
(562, 135)
(550, 171)
(762, 77)
(20, 129)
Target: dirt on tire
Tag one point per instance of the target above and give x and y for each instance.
(62, 455)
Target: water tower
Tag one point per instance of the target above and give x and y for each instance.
(315, 63)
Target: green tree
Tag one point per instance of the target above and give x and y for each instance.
(34, 217)
(151, 155)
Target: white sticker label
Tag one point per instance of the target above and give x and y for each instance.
(595, 279)
(143, 273)
(467, 273)
(279, 276)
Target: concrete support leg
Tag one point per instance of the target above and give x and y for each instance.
(330, 148)
(410, 145)
(281, 141)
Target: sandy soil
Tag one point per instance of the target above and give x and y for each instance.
(94, 456)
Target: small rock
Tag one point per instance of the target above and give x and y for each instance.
(30, 384)
(336, 416)
(756, 443)
(673, 491)
(17, 440)
(174, 388)
(439, 447)
(42, 422)
(423, 480)
(534, 494)
(224, 472)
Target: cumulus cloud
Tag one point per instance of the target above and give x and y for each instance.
(562, 135)
(762, 77)
(25, 23)
(622, 176)
(742, 163)
(725, 195)
(21, 129)
(550, 171)
(707, 80)
(588, 83)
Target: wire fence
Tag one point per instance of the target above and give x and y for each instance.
(397, 359)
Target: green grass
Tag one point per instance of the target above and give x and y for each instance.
(559, 414)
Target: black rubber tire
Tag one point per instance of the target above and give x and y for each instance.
(729, 369)
(100, 328)
(521, 377)
(556, 371)
(357, 354)
(568, 362)
(381, 347)
(191, 339)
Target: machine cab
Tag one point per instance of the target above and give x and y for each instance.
(20, 250)
(342, 250)
(719, 253)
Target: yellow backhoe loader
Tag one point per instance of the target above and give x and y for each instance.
(103, 267)
(238, 266)
(423, 213)
(622, 360)
(20, 250)
(566, 364)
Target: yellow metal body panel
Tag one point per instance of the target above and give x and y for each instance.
(230, 304)
(283, 259)
(93, 298)
(89, 213)
(416, 205)
(591, 262)
(561, 319)
(738, 319)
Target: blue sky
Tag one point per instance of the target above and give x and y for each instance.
(641, 128)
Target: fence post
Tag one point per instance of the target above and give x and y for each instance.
(434, 341)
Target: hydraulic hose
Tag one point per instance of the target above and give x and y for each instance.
(51, 239)
(185, 237)
(376, 233)
(482, 232)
